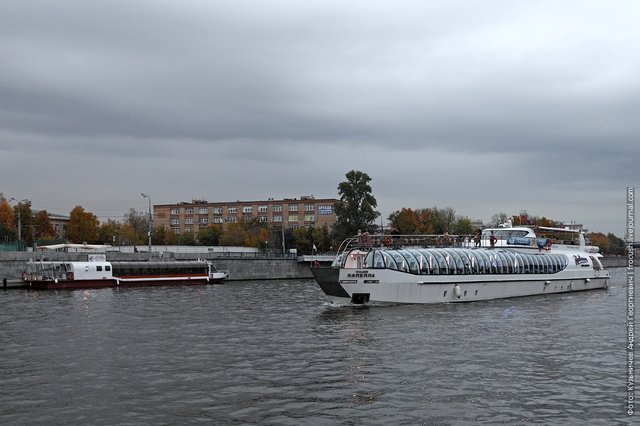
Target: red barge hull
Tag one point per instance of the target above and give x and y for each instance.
(120, 282)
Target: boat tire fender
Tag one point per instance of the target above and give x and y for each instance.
(457, 291)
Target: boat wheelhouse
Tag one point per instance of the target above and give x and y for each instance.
(524, 237)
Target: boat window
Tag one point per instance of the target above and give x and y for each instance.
(388, 261)
(485, 264)
(468, 261)
(474, 263)
(493, 262)
(465, 261)
(545, 264)
(423, 264)
(503, 262)
(596, 263)
(537, 264)
(107, 267)
(400, 261)
(512, 262)
(517, 263)
(455, 262)
(414, 267)
(431, 261)
(378, 260)
(99, 268)
(442, 262)
(368, 261)
(511, 266)
(564, 261)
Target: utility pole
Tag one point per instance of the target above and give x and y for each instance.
(19, 221)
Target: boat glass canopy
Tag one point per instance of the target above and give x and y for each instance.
(461, 261)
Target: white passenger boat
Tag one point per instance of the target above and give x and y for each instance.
(98, 273)
(377, 273)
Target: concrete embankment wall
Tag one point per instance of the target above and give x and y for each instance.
(617, 262)
(240, 268)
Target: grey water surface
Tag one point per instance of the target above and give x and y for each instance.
(275, 352)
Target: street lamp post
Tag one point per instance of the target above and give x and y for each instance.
(150, 223)
(19, 221)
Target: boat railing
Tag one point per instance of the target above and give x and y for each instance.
(367, 241)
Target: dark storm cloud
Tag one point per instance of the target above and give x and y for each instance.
(251, 99)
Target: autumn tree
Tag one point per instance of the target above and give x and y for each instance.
(24, 217)
(424, 219)
(83, 226)
(187, 239)
(209, 235)
(543, 221)
(356, 209)
(600, 240)
(110, 232)
(442, 220)
(135, 227)
(7, 224)
(43, 227)
(499, 218)
(462, 226)
(323, 239)
(234, 235)
(163, 236)
(616, 244)
(406, 221)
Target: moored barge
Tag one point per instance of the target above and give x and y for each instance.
(62, 274)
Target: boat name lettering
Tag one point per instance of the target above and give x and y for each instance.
(361, 274)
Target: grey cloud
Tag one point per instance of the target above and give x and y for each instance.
(274, 98)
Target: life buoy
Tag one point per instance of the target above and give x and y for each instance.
(69, 276)
(387, 242)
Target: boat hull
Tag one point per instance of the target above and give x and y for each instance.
(384, 286)
(121, 282)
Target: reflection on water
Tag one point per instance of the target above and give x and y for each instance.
(277, 353)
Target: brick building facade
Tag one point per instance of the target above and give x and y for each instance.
(306, 211)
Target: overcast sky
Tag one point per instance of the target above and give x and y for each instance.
(482, 106)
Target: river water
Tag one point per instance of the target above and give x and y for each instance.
(274, 352)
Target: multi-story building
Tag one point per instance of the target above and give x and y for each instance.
(306, 211)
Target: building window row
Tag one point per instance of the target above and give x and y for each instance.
(234, 219)
(277, 208)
